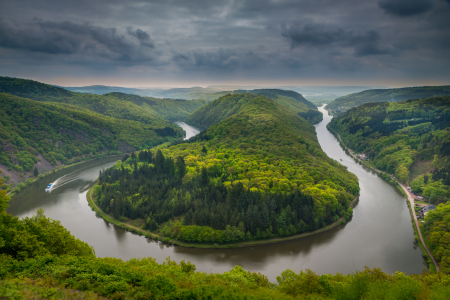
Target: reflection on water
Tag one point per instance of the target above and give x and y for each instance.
(379, 235)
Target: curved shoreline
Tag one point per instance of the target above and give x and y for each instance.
(410, 200)
(149, 234)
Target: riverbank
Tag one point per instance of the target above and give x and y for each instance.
(53, 171)
(433, 265)
(151, 235)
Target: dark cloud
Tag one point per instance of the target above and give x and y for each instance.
(405, 8)
(142, 36)
(222, 59)
(321, 36)
(215, 39)
(71, 38)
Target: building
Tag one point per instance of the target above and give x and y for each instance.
(421, 213)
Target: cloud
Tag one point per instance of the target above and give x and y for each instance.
(142, 36)
(71, 38)
(221, 59)
(321, 36)
(405, 8)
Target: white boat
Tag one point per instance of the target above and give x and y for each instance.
(48, 188)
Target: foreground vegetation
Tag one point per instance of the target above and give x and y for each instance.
(257, 173)
(344, 103)
(40, 259)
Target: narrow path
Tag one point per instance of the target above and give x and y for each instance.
(240, 244)
(411, 201)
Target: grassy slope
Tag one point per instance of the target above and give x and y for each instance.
(344, 103)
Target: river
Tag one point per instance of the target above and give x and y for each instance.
(380, 233)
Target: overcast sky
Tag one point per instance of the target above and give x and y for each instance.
(251, 42)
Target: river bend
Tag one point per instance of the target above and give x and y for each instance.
(379, 235)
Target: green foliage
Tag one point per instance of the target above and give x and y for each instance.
(398, 136)
(342, 104)
(150, 111)
(437, 230)
(38, 235)
(62, 132)
(4, 199)
(89, 277)
(260, 165)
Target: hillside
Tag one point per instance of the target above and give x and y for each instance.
(44, 134)
(409, 139)
(169, 109)
(212, 113)
(257, 172)
(152, 111)
(344, 103)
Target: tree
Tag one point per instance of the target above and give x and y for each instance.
(159, 161)
(35, 172)
(204, 177)
(204, 149)
(4, 199)
(181, 167)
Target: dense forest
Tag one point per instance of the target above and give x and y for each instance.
(40, 259)
(344, 103)
(410, 139)
(256, 172)
(64, 133)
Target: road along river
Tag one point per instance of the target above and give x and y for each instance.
(379, 235)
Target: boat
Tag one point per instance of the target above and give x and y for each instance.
(48, 188)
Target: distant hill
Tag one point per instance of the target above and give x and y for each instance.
(344, 103)
(211, 114)
(152, 111)
(63, 133)
(103, 89)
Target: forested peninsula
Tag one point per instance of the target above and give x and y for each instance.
(344, 103)
(411, 141)
(257, 172)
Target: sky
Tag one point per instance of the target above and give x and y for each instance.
(183, 43)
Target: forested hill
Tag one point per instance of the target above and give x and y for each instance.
(151, 111)
(170, 109)
(64, 133)
(410, 139)
(295, 101)
(222, 108)
(285, 93)
(259, 172)
(344, 103)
